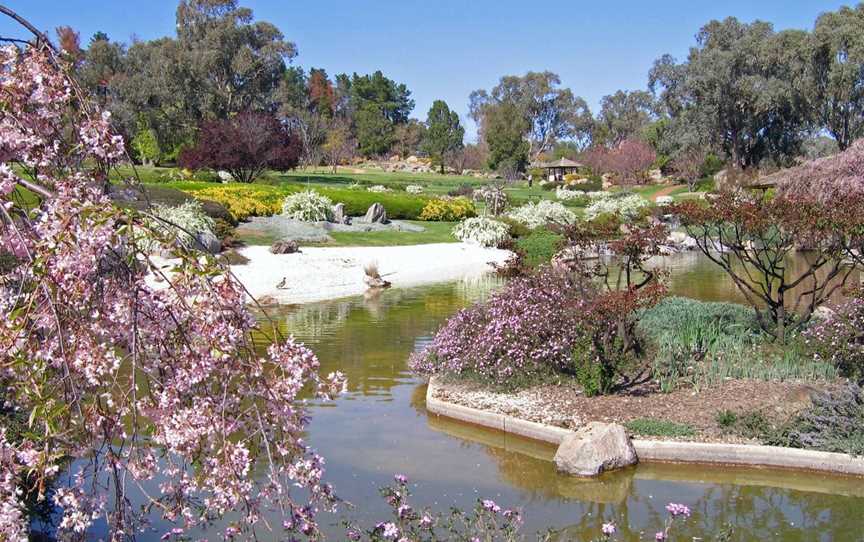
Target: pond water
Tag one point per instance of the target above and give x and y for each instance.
(380, 427)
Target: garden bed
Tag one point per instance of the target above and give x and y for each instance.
(682, 415)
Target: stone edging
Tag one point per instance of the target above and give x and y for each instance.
(746, 455)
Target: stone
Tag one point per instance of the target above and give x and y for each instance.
(664, 200)
(208, 242)
(823, 313)
(655, 175)
(412, 159)
(339, 214)
(376, 213)
(224, 176)
(596, 448)
(285, 246)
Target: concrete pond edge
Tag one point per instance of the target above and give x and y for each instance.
(744, 455)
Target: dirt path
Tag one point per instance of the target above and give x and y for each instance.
(666, 191)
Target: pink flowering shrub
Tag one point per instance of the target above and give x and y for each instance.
(528, 328)
(136, 379)
(839, 338)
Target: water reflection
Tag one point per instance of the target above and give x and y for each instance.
(381, 427)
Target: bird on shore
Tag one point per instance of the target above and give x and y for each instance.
(282, 284)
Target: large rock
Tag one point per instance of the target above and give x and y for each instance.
(376, 213)
(285, 246)
(596, 448)
(339, 214)
(208, 242)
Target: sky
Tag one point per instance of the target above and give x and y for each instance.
(444, 49)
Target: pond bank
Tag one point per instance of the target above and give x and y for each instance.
(320, 273)
(667, 451)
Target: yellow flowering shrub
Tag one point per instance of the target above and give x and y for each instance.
(448, 210)
(243, 201)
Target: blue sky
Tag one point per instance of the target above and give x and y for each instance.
(444, 49)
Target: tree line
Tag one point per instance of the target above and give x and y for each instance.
(746, 95)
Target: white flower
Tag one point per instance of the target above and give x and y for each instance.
(308, 206)
(539, 214)
(482, 231)
(627, 207)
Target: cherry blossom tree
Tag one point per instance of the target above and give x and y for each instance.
(138, 372)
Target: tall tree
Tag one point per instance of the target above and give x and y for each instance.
(624, 115)
(378, 104)
(444, 132)
(837, 73)
(505, 129)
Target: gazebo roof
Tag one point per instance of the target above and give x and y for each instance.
(562, 163)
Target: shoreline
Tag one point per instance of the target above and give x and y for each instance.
(658, 451)
(324, 273)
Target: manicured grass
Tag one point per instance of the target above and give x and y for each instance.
(436, 232)
(659, 428)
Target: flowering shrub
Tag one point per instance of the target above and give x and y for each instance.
(628, 207)
(482, 231)
(184, 221)
(494, 197)
(664, 200)
(245, 200)
(598, 195)
(308, 206)
(378, 189)
(135, 381)
(414, 189)
(574, 196)
(448, 209)
(839, 338)
(542, 213)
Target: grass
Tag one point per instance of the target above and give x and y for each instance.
(653, 427)
(436, 232)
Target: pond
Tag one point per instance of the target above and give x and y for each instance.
(380, 427)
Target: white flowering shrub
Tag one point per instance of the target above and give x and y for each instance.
(183, 221)
(664, 200)
(574, 196)
(378, 188)
(414, 189)
(594, 196)
(544, 212)
(627, 207)
(308, 206)
(482, 231)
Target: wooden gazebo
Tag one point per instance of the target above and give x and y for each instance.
(556, 170)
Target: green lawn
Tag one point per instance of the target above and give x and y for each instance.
(435, 232)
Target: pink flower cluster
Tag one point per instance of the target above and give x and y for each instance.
(134, 377)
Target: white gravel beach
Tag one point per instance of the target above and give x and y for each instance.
(319, 273)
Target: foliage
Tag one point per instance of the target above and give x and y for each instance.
(504, 130)
(146, 145)
(538, 247)
(628, 161)
(308, 206)
(244, 201)
(659, 428)
(184, 221)
(244, 145)
(834, 423)
(133, 381)
(573, 196)
(839, 338)
(464, 190)
(378, 189)
(628, 207)
(535, 215)
(444, 133)
(756, 236)
(623, 115)
(379, 104)
(487, 521)
(414, 189)
(482, 231)
(448, 210)
(829, 179)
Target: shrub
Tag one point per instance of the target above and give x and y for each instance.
(517, 229)
(448, 210)
(378, 188)
(664, 200)
(659, 428)
(542, 213)
(598, 195)
(839, 338)
(538, 247)
(184, 221)
(399, 205)
(494, 198)
(482, 231)
(414, 189)
(834, 423)
(628, 207)
(243, 201)
(525, 330)
(308, 206)
(573, 197)
(726, 418)
(464, 190)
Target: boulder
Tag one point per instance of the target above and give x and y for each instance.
(208, 242)
(594, 449)
(376, 213)
(339, 214)
(285, 246)
(655, 175)
(224, 176)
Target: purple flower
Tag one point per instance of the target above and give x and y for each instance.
(608, 528)
(678, 509)
(660, 536)
(490, 505)
(401, 478)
